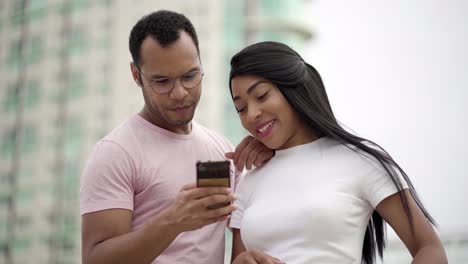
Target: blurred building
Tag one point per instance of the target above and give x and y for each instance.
(64, 67)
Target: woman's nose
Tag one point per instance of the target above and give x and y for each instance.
(254, 114)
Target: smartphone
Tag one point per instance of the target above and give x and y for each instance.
(214, 174)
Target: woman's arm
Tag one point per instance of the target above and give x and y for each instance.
(423, 244)
(237, 244)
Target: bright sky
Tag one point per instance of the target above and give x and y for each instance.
(397, 72)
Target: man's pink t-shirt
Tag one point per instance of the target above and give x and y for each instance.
(141, 167)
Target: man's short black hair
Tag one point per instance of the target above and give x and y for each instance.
(163, 26)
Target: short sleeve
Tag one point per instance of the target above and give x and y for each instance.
(378, 185)
(107, 179)
(243, 194)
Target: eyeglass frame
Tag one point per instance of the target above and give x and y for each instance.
(169, 78)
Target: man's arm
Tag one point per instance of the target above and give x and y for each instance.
(107, 238)
(250, 152)
(107, 235)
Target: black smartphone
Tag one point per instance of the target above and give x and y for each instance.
(214, 174)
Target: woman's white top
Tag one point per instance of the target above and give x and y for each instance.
(311, 203)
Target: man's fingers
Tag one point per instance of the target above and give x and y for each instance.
(213, 220)
(198, 193)
(253, 155)
(223, 211)
(243, 156)
(263, 156)
(241, 147)
(215, 199)
(229, 155)
(188, 186)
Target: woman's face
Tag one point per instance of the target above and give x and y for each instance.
(266, 113)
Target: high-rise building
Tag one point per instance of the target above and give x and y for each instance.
(64, 67)
(56, 72)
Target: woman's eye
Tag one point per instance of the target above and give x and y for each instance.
(241, 110)
(262, 97)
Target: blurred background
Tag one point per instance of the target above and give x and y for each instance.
(395, 71)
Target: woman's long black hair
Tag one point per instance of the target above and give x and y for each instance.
(303, 88)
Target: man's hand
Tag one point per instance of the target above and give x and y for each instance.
(108, 238)
(255, 257)
(250, 152)
(189, 210)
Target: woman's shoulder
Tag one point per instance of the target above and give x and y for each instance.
(348, 154)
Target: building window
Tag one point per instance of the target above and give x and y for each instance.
(73, 138)
(18, 13)
(29, 143)
(37, 9)
(8, 144)
(107, 2)
(11, 99)
(34, 50)
(104, 88)
(32, 11)
(78, 42)
(20, 245)
(14, 54)
(76, 84)
(103, 42)
(32, 94)
(70, 229)
(25, 173)
(71, 180)
(78, 5)
(3, 228)
(25, 197)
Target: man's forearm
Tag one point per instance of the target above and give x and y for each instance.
(140, 246)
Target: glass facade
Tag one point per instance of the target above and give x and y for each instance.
(46, 127)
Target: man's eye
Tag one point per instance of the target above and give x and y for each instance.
(189, 76)
(161, 81)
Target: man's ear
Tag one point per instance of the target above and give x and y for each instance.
(135, 74)
(138, 82)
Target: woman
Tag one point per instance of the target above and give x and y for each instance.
(326, 195)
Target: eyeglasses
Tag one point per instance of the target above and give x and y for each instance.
(164, 85)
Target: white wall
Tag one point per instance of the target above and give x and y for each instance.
(397, 72)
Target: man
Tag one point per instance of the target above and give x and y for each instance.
(139, 203)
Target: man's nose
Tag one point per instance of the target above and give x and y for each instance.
(178, 90)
